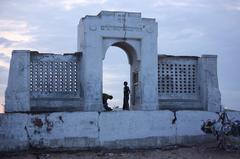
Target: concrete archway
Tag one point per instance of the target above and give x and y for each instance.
(116, 70)
(129, 49)
(137, 37)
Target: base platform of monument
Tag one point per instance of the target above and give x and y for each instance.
(103, 130)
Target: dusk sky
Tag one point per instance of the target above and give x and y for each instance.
(185, 27)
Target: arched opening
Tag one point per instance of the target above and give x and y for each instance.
(116, 70)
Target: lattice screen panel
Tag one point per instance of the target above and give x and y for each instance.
(177, 78)
(54, 76)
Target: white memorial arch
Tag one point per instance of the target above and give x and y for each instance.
(45, 82)
(137, 36)
(54, 101)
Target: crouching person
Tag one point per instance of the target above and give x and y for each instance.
(105, 97)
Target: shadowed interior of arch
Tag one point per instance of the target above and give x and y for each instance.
(116, 70)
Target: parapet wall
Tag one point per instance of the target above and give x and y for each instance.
(110, 130)
(43, 82)
(188, 82)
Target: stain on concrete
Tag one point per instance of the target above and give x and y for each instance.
(175, 118)
(49, 123)
(37, 122)
(61, 119)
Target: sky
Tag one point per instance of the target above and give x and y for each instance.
(186, 27)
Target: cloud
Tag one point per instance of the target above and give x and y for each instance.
(4, 63)
(1, 108)
(189, 33)
(5, 42)
(13, 25)
(233, 6)
(70, 4)
(14, 34)
(184, 34)
(4, 57)
(113, 76)
(3, 66)
(3, 75)
(16, 31)
(175, 3)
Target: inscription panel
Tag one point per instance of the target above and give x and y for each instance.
(120, 28)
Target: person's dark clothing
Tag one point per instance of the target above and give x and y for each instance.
(126, 92)
(105, 97)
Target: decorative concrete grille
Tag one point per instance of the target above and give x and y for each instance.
(177, 77)
(53, 75)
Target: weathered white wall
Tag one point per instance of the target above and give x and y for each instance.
(211, 96)
(136, 129)
(13, 136)
(17, 96)
(188, 83)
(188, 126)
(43, 82)
(56, 131)
(66, 130)
(111, 130)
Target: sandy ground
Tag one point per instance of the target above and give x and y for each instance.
(195, 152)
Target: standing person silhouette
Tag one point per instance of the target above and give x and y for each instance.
(126, 92)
